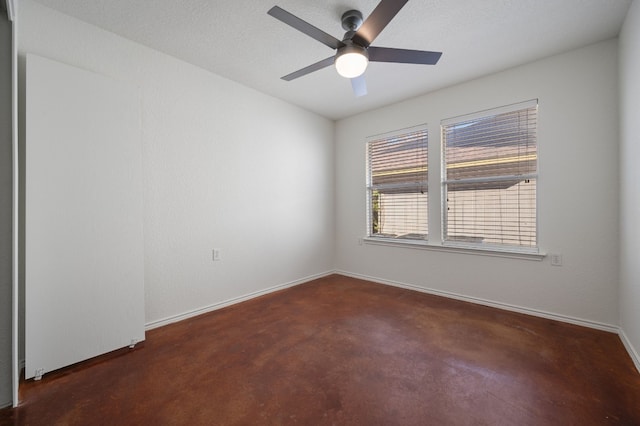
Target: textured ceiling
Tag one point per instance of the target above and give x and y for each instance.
(238, 40)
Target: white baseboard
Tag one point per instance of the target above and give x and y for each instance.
(215, 306)
(490, 303)
(629, 347)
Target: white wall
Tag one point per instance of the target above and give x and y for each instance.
(630, 180)
(578, 196)
(224, 167)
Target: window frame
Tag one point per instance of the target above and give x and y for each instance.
(403, 132)
(490, 247)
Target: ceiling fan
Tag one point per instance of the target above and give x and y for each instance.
(354, 52)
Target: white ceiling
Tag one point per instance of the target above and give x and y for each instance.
(238, 40)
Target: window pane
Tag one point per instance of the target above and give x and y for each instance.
(400, 215)
(493, 214)
(397, 186)
(490, 171)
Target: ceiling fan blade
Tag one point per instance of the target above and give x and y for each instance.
(404, 56)
(305, 27)
(359, 85)
(311, 68)
(377, 21)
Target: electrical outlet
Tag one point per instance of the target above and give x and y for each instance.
(556, 259)
(216, 255)
(359, 241)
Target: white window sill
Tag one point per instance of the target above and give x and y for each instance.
(481, 251)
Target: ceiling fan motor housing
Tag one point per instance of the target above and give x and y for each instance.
(352, 20)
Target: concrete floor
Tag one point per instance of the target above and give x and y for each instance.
(341, 351)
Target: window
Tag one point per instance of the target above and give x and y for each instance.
(397, 185)
(489, 178)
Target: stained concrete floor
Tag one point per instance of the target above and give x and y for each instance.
(341, 351)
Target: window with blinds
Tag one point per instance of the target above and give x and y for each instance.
(489, 178)
(397, 185)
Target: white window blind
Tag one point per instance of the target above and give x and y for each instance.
(489, 178)
(397, 185)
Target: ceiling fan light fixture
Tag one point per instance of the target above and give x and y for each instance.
(351, 61)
